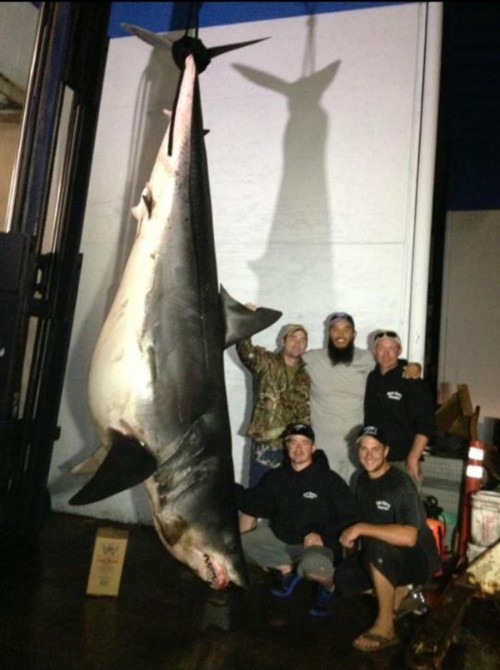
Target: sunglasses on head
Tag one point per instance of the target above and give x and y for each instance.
(385, 333)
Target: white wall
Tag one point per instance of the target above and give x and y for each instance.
(18, 24)
(313, 154)
(470, 320)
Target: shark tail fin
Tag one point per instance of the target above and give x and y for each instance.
(128, 463)
(186, 45)
(242, 322)
(154, 39)
(224, 48)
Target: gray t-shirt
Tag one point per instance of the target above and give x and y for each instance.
(337, 395)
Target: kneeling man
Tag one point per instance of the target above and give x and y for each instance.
(307, 505)
(397, 547)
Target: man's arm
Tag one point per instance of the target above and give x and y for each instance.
(420, 441)
(248, 353)
(368, 401)
(396, 534)
(257, 502)
(246, 522)
(421, 411)
(343, 509)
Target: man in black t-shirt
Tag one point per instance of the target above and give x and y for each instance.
(402, 408)
(397, 547)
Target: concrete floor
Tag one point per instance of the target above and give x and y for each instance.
(165, 618)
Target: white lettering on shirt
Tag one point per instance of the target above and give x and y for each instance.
(310, 495)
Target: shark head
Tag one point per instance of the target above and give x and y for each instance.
(214, 554)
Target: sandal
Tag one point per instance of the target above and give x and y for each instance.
(379, 642)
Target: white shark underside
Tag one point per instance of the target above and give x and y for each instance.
(156, 383)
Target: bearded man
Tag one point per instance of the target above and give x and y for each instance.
(338, 376)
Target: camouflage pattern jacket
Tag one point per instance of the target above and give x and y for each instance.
(279, 398)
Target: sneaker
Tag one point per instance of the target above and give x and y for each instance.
(413, 603)
(322, 602)
(285, 584)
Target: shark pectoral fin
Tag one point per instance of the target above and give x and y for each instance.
(128, 463)
(145, 205)
(242, 322)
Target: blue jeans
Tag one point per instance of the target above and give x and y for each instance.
(272, 457)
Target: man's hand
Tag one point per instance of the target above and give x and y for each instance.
(246, 522)
(413, 468)
(313, 540)
(251, 306)
(412, 371)
(349, 536)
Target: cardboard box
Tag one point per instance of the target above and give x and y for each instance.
(107, 562)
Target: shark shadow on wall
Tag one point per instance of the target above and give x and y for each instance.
(298, 243)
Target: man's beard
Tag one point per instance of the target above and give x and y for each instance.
(337, 355)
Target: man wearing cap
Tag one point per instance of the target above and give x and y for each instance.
(307, 506)
(403, 408)
(397, 547)
(338, 376)
(281, 396)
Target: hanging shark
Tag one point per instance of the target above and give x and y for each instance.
(156, 386)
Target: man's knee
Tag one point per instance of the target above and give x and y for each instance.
(391, 561)
(379, 553)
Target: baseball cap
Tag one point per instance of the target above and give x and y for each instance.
(293, 328)
(341, 316)
(299, 429)
(386, 335)
(373, 431)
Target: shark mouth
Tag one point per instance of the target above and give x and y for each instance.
(216, 577)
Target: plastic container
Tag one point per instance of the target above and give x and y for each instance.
(485, 518)
(473, 551)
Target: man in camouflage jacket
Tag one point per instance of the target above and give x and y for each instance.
(281, 396)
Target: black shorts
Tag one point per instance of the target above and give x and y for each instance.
(400, 565)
